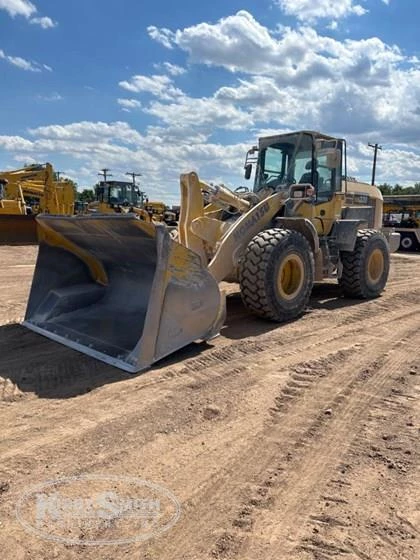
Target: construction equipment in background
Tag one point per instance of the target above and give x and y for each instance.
(159, 212)
(123, 197)
(118, 197)
(402, 213)
(129, 292)
(27, 192)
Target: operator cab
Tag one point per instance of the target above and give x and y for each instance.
(118, 193)
(297, 158)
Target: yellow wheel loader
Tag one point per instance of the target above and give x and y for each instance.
(118, 197)
(129, 292)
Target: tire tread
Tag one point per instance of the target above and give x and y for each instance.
(253, 273)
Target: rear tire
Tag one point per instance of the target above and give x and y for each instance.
(366, 269)
(276, 274)
(408, 242)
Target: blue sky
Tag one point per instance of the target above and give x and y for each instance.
(165, 87)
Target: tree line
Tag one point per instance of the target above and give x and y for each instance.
(386, 188)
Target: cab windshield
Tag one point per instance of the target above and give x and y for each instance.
(123, 195)
(285, 162)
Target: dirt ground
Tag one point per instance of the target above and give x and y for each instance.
(293, 442)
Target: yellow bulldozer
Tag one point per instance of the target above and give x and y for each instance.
(130, 292)
(26, 192)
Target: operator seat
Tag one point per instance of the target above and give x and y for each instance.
(307, 177)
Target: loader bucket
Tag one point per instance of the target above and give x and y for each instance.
(120, 290)
(16, 229)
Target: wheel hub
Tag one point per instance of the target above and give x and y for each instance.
(406, 242)
(290, 276)
(375, 266)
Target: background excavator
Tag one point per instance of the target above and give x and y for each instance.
(130, 292)
(27, 192)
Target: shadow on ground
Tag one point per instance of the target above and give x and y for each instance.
(38, 365)
(241, 324)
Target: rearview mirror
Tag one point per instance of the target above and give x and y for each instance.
(248, 170)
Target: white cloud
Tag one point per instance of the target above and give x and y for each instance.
(25, 159)
(51, 97)
(210, 113)
(172, 69)
(18, 7)
(128, 104)
(26, 9)
(158, 85)
(15, 143)
(163, 36)
(333, 25)
(93, 145)
(230, 42)
(44, 22)
(289, 79)
(87, 131)
(300, 78)
(241, 44)
(22, 63)
(312, 10)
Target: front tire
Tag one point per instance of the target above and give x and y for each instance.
(365, 270)
(277, 274)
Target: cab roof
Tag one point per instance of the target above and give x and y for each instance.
(313, 133)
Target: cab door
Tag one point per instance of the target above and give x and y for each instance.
(326, 206)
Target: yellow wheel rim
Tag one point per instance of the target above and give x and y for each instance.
(290, 276)
(375, 266)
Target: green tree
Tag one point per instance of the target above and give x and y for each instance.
(86, 195)
(385, 188)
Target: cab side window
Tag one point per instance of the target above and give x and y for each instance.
(326, 179)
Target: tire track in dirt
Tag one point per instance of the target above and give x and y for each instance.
(324, 444)
(257, 404)
(54, 366)
(309, 331)
(381, 462)
(255, 466)
(213, 368)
